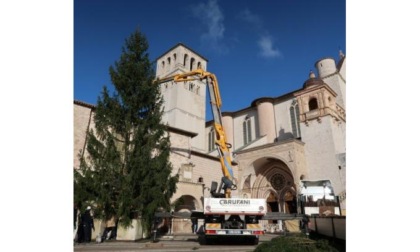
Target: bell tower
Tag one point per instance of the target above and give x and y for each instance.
(323, 129)
(184, 102)
(318, 100)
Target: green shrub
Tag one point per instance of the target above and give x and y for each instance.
(295, 244)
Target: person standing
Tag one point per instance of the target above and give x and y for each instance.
(80, 235)
(305, 222)
(109, 227)
(194, 223)
(77, 225)
(87, 223)
(114, 230)
(74, 217)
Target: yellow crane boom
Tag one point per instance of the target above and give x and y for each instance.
(216, 103)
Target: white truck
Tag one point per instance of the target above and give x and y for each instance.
(234, 218)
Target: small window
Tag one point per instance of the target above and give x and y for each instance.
(185, 59)
(294, 119)
(211, 146)
(247, 130)
(192, 64)
(313, 104)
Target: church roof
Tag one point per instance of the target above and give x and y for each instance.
(181, 44)
(340, 63)
(312, 81)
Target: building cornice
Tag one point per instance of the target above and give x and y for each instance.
(84, 104)
(313, 88)
(207, 156)
(274, 100)
(170, 128)
(292, 140)
(181, 132)
(262, 100)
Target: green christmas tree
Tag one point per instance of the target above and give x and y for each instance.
(126, 171)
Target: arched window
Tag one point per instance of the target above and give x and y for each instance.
(174, 58)
(247, 130)
(192, 64)
(294, 119)
(199, 65)
(185, 60)
(163, 65)
(313, 104)
(247, 183)
(211, 146)
(169, 63)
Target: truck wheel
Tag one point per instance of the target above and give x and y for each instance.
(202, 240)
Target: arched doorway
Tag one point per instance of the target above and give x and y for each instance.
(184, 204)
(274, 182)
(290, 204)
(272, 205)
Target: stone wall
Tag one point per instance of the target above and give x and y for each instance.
(82, 119)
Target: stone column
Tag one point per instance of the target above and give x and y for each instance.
(266, 121)
(227, 122)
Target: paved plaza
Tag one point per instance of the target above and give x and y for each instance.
(178, 243)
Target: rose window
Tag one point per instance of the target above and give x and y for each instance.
(278, 181)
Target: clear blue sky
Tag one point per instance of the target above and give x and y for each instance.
(255, 48)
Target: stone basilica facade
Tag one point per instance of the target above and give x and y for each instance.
(276, 141)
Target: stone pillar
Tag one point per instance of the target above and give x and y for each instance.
(266, 121)
(227, 122)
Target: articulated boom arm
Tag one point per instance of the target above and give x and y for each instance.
(216, 103)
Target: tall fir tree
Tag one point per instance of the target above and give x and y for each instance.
(126, 171)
